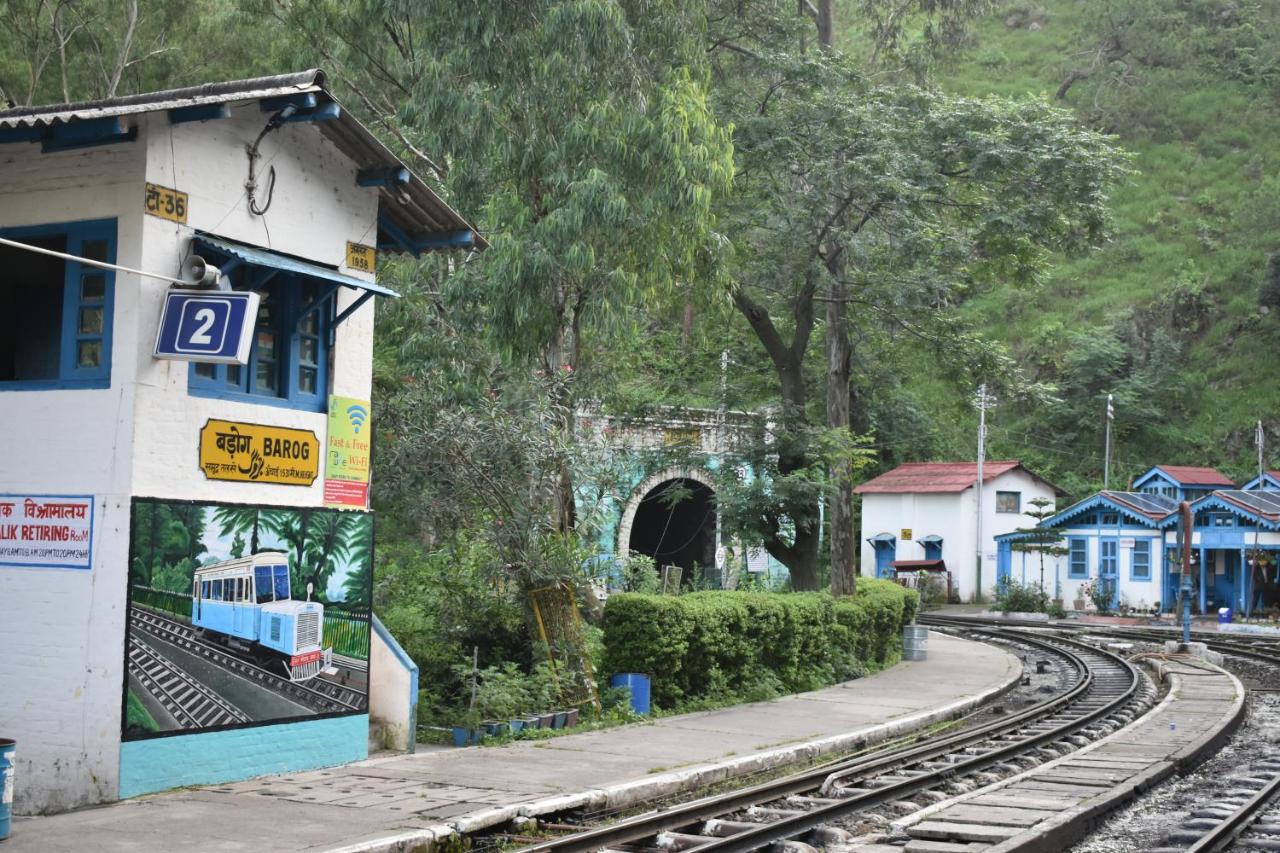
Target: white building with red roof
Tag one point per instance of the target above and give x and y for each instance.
(928, 511)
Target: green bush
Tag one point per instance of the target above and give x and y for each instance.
(1014, 597)
(715, 646)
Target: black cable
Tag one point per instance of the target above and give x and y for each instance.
(251, 185)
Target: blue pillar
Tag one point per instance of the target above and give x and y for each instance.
(1204, 562)
(1243, 594)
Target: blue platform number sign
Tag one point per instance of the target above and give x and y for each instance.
(207, 325)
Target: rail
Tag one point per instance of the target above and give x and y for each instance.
(1088, 700)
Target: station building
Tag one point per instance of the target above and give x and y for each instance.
(923, 515)
(124, 471)
(1127, 541)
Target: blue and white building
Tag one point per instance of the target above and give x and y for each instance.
(1127, 540)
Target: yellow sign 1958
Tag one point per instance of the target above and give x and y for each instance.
(361, 257)
(256, 453)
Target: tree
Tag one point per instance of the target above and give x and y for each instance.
(897, 202)
(580, 132)
(1041, 540)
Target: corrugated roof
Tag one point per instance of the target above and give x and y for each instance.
(1154, 507)
(413, 208)
(1190, 475)
(935, 477)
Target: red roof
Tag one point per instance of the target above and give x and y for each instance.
(1187, 475)
(920, 565)
(935, 477)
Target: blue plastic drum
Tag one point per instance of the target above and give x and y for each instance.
(6, 785)
(638, 684)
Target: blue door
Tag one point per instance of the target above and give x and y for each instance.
(1109, 569)
(886, 553)
(1004, 563)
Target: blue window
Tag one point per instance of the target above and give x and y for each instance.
(282, 582)
(1141, 569)
(1079, 565)
(289, 359)
(1109, 519)
(55, 315)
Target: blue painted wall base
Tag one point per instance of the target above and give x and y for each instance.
(147, 766)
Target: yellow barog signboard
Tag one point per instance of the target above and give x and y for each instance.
(256, 453)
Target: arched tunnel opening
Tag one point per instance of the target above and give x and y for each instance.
(676, 525)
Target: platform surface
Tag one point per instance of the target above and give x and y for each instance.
(361, 806)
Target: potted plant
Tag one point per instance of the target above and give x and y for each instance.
(468, 731)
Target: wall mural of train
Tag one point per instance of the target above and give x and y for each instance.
(244, 615)
(246, 604)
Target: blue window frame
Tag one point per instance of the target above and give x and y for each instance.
(1078, 567)
(56, 315)
(289, 358)
(1140, 570)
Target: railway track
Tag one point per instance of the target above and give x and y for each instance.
(189, 702)
(323, 696)
(1105, 692)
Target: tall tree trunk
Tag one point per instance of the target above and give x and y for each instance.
(840, 470)
(800, 555)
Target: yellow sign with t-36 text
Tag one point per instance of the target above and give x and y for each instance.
(165, 203)
(361, 257)
(347, 453)
(257, 453)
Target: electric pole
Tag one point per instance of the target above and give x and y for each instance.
(983, 401)
(1106, 465)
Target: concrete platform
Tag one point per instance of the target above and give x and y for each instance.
(395, 802)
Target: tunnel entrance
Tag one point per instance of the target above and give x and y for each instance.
(675, 524)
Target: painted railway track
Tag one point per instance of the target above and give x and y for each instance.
(323, 696)
(188, 701)
(1106, 692)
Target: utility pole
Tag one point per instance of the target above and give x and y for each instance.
(1106, 469)
(983, 401)
(1259, 438)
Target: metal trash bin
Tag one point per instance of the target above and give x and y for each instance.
(915, 642)
(638, 684)
(6, 785)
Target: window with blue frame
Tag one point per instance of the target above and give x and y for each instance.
(55, 315)
(1109, 519)
(1078, 567)
(1141, 569)
(289, 359)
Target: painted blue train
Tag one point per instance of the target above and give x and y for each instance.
(245, 603)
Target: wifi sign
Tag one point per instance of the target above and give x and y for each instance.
(357, 415)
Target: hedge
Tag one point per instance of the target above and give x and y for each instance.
(754, 645)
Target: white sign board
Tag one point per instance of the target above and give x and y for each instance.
(1127, 542)
(46, 531)
(757, 560)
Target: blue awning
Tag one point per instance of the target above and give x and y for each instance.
(284, 263)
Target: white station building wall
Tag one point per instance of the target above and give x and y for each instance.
(63, 631)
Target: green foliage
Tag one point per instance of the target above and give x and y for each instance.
(718, 645)
(1169, 311)
(1014, 597)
